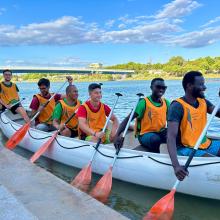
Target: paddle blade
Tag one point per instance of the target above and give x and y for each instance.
(163, 209)
(16, 138)
(83, 178)
(43, 148)
(103, 188)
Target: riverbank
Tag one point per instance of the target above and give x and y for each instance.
(29, 192)
(98, 77)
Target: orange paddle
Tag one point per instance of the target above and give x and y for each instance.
(47, 144)
(103, 188)
(164, 208)
(83, 178)
(16, 138)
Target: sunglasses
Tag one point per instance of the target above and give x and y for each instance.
(161, 87)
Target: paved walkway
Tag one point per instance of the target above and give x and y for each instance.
(29, 192)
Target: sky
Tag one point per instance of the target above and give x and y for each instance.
(76, 33)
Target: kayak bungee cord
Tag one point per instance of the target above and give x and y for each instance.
(68, 148)
(194, 165)
(104, 155)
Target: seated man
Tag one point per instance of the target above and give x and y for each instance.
(9, 96)
(64, 110)
(92, 117)
(150, 114)
(44, 120)
(187, 118)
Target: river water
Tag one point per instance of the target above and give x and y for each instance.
(132, 200)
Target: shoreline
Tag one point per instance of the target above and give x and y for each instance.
(86, 78)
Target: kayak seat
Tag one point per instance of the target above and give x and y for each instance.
(163, 148)
(140, 148)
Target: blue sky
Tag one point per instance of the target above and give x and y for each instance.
(76, 33)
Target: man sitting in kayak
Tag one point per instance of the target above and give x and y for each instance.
(64, 110)
(92, 117)
(44, 120)
(150, 114)
(9, 96)
(186, 119)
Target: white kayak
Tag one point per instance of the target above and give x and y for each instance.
(134, 166)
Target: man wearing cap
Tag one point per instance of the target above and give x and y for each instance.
(92, 117)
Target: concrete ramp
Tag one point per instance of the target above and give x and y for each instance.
(29, 192)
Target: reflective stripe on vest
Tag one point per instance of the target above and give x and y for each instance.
(96, 120)
(46, 114)
(9, 94)
(192, 124)
(154, 118)
(67, 111)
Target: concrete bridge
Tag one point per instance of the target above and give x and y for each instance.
(26, 69)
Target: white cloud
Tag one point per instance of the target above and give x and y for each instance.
(110, 23)
(121, 26)
(164, 27)
(197, 39)
(61, 62)
(177, 21)
(63, 31)
(215, 20)
(2, 10)
(177, 8)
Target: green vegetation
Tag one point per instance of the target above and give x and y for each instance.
(173, 69)
(176, 67)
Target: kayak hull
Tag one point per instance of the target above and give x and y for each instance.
(138, 167)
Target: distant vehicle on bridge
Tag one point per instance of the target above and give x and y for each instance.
(95, 65)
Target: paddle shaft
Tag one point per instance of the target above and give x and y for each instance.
(106, 124)
(19, 101)
(126, 129)
(199, 141)
(66, 122)
(44, 105)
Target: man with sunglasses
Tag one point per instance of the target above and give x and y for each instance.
(151, 118)
(44, 120)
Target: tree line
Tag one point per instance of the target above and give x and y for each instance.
(176, 66)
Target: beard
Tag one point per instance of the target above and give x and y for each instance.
(198, 94)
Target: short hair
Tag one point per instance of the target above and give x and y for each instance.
(156, 79)
(93, 86)
(69, 87)
(44, 81)
(7, 70)
(190, 78)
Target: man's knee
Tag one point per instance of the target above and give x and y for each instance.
(42, 127)
(151, 141)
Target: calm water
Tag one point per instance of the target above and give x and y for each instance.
(132, 200)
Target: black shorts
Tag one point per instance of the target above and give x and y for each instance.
(13, 109)
(74, 133)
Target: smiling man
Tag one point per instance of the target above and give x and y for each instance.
(187, 118)
(150, 114)
(92, 117)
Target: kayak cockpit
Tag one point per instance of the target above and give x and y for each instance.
(130, 142)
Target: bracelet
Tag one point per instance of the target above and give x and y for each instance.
(94, 134)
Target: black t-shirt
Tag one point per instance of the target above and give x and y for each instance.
(175, 113)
